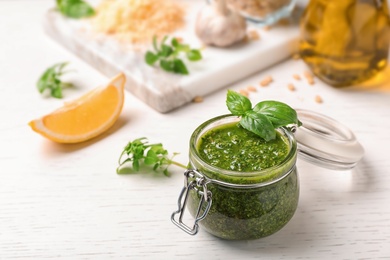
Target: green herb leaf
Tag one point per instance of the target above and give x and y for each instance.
(168, 55)
(183, 48)
(166, 51)
(237, 104)
(155, 44)
(75, 8)
(140, 152)
(164, 39)
(50, 80)
(175, 43)
(136, 165)
(264, 118)
(194, 55)
(151, 158)
(56, 92)
(167, 65)
(45, 79)
(180, 67)
(258, 124)
(280, 114)
(151, 58)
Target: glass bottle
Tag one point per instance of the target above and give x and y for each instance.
(263, 12)
(345, 42)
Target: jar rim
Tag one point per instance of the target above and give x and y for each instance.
(229, 118)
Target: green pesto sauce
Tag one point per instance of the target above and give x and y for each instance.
(233, 148)
(240, 213)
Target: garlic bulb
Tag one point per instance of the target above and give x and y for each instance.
(217, 25)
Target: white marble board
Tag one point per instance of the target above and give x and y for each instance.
(164, 91)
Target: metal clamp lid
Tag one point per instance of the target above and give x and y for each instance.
(199, 184)
(326, 142)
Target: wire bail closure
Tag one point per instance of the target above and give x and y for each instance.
(198, 181)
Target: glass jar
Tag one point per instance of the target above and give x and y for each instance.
(345, 42)
(263, 12)
(249, 205)
(243, 205)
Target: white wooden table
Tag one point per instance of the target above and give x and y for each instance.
(67, 202)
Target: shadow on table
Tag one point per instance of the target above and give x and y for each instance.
(54, 148)
(317, 219)
(297, 235)
(365, 177)
(380, 83)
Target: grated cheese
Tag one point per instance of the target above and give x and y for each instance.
(137, 21)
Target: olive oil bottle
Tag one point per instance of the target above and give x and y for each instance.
(345, 42)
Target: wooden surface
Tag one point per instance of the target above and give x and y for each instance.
(166, 91)
(67, 202)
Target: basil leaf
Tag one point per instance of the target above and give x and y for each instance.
(166, 51)
(174, 42)
(75, 8)
(56, 92)
(158, 149)
(139, 153)
(183, 47)
(50, 80)
(164, 39)
(168, 55)
(180, 67)
(151, 158)
(47, 76)
(237, 104)
(136, 165)
(167, 65)
(150, 58)
(258, 124)
(155, 45)
(264, 117)
(194, 55)
(280, 114)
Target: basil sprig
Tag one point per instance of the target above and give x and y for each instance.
(167, 56)
(51, 80)
(264, 117)
(75, 8)
(139, 152)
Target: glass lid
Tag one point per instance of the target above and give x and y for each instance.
(326, 142)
